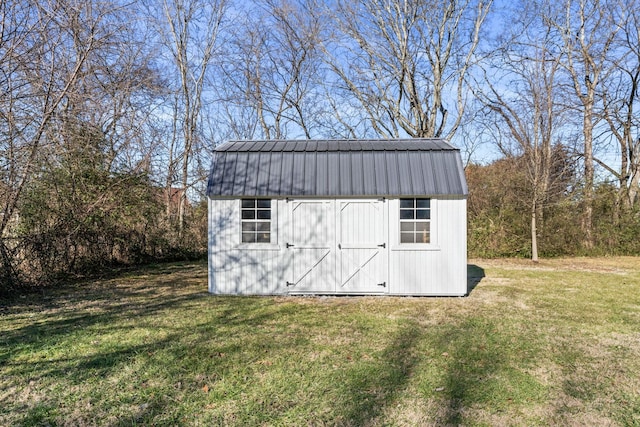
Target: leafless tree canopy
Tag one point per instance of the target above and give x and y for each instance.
(404, 63)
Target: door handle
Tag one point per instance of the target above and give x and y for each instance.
(382, 245)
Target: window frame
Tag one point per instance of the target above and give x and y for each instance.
(253, 218)
(419, 216)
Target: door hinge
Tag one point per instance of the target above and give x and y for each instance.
(289, 245)
(290, 284)
(382, 245)
(383, 284)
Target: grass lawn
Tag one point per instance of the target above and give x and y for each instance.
(556, 343)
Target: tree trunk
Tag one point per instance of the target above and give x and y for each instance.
(171, 163)
(587, 214)
(634, 186)
(534, 233)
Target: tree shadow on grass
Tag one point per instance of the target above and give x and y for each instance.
(483, 367)
(76, 372)
(72, 321)
(369, 388)
(68, 335)
(471, 362)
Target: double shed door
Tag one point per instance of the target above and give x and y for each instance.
(337, 246)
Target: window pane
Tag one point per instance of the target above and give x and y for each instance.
(248, 203)
(406, 238)
(423, 203)
(423, 214)
(406, 226)
(418, 230)
(406, 214)
(248, 226)
(264, 214)
(406, 203)
(256, 220)
(248, 237)
(422, 226)
(263, 226)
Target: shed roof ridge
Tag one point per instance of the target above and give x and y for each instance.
(297, 145)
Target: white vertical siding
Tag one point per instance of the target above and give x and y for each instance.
(236, 268)
(437, 268)
(317, 232)
(452, 229)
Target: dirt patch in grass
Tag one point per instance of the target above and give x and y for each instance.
(614, 265)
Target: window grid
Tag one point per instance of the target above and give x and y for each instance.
(256, 220)
(415, 220)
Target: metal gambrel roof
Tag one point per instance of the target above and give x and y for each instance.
(293, 168)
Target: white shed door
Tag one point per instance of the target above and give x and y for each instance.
(310, 264)
(362, 243)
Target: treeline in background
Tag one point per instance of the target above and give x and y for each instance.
(109, 112)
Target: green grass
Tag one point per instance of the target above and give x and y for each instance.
(556, 343)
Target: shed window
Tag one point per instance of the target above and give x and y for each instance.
(415, 220)
(256, 220)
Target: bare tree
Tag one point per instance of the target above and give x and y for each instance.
(190, 30)
(42, 55)
(406, 62)
(620, 102)
(587, 32)
(272, 70)
(525, 102)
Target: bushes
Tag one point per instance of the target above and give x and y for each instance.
(498, 218)
(94, 221)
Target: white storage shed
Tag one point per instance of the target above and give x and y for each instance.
(382, 217)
